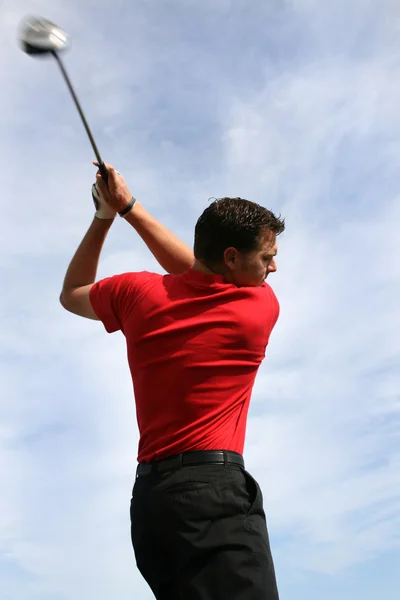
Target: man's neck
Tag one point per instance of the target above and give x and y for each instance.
(216, 270)
(199, 266)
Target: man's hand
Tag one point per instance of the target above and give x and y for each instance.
(115, 191)
(102, 203)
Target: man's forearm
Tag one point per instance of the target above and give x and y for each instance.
(83, 266)
(171, 253)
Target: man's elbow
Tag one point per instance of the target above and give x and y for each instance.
(68, 301)
(64, 300)
(77, 301)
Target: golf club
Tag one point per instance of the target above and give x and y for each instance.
(40, 37)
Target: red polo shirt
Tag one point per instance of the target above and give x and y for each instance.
(195, 343)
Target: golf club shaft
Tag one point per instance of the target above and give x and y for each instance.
(102, 168)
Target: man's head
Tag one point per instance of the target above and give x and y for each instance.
(237, 238)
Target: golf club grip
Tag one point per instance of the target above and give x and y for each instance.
(103, 172)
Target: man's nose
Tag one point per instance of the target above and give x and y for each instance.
(272, 266)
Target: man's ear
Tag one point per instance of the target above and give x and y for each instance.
(231, 258)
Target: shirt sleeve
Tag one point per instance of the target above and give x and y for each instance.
(114, 298)
(272, 314)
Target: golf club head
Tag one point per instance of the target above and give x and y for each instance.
(39, 37)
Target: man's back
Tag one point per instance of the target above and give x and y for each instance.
(195, 343)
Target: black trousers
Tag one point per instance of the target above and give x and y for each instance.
(199, 533)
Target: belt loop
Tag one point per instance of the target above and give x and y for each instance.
(181, 460)
(225, 459)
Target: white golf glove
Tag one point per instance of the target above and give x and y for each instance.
(103, 211)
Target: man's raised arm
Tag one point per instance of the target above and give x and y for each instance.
(173, 255)
(81, 273)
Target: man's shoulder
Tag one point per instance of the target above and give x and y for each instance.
(268, 289)
(263, 292)
(266, 299)
(126, 282)
(138, 276)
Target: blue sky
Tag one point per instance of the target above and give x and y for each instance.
(292, 104)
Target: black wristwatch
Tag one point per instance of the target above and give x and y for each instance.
(128, 208)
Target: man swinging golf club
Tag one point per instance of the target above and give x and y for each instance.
(195, 339)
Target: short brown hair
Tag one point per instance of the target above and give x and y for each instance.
(232, 222)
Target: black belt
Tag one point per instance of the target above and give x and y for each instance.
(202, 457)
